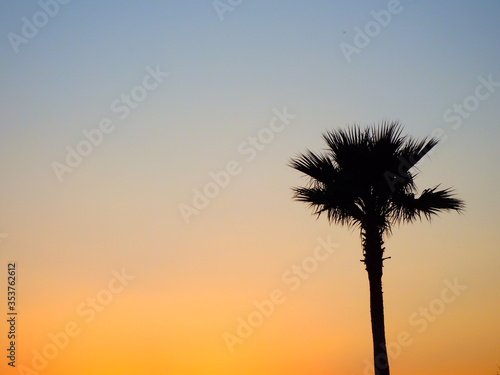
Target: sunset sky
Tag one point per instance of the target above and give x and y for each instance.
(146, 200)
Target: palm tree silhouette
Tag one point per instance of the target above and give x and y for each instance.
(365, 180)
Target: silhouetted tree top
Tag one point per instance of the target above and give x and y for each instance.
(367, 176)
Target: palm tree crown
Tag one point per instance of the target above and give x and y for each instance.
(366, 176)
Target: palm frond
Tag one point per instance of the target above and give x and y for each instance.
(317, 166)
(413, 151)
(338, 207)
(387, 135)
(431, 202)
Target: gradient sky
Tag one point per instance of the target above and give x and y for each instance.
(119, 207)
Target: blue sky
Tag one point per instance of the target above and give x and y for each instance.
(120, 205)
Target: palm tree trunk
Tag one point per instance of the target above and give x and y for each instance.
(373, 252)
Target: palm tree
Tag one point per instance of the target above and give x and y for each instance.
(365, 179)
